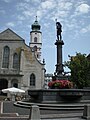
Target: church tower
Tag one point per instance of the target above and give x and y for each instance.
(35, 39)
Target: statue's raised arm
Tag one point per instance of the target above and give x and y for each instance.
(59, 30)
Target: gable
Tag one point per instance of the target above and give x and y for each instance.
(8, 34)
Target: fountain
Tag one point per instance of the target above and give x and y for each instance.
(53, 98)
(59, 95)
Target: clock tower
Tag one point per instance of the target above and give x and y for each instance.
(36, 39)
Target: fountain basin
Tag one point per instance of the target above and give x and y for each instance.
(59, 95)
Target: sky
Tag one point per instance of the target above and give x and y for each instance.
(74, 15)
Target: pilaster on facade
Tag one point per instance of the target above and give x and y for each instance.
(21, 60)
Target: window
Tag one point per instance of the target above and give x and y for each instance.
(35, 48)
(15, 61)
(38, 56)
(15, 85)
(6, 54)
(32, 80)
(35, 39)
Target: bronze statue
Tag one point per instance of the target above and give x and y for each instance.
(59, 30)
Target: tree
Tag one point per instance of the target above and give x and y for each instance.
(80, 70)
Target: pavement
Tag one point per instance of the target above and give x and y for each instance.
(65, 116)
(26, 118)
(43, 116)
(47, 117)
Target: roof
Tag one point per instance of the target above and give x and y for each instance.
(35, 26)
(8, 34)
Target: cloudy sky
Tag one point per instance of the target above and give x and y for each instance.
(74, 15)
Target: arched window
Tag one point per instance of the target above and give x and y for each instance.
(35, 39)
(6, 54)
(32, 80)
(38, 56)
(35, 48)
(15, 61)
(14, 83)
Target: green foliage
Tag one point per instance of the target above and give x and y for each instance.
(80, 70)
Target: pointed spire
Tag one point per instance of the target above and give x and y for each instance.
(36, 18)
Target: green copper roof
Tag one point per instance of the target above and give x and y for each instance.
(35, 26)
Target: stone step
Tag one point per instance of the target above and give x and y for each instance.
(51, 106)
(13, 118)
(9, 115)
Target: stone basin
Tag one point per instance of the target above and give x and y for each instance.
(59, 95)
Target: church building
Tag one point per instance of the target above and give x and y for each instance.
(20, 64)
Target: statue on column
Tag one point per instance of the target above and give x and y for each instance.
(59, 30)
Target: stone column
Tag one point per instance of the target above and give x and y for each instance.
(86, 112)
(9, 83)
(59, 65)
(34, 113)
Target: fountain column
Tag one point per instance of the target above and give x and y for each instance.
(59, 65)
(59, 43)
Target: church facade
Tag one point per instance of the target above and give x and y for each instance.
(20, 64)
